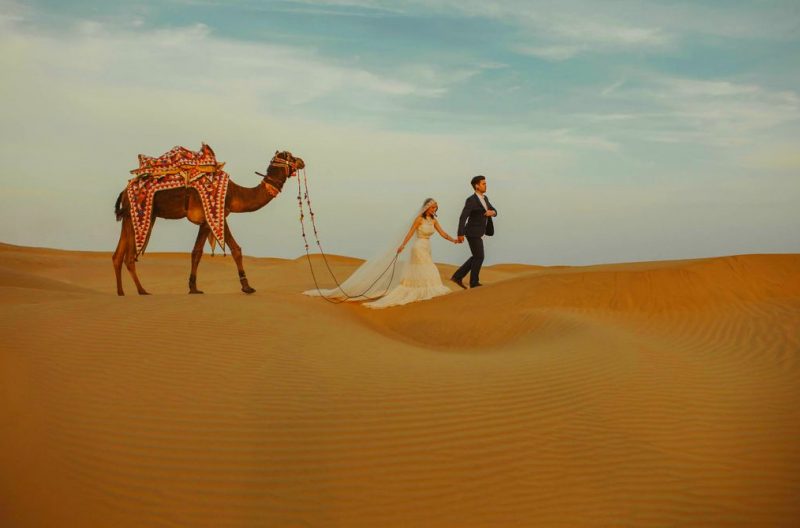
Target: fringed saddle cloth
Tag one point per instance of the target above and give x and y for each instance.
(180, 167)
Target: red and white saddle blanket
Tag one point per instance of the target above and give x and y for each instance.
(180, 167)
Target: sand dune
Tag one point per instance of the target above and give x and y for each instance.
(639, 394)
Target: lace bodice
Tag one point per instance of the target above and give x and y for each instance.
(426, 228)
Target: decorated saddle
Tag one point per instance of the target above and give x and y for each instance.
(180, 167)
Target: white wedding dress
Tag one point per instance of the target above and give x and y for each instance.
(415, 280)
(419, 280)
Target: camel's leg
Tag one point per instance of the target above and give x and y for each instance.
(197, 254)
(236, 252)
(130, 255)
(119, 256)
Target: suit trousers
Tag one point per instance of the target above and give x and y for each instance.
(473, 264)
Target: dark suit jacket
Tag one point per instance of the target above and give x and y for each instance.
(473, 223)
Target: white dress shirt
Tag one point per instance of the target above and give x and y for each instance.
(483, 201)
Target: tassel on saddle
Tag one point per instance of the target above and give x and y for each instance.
(212, 241)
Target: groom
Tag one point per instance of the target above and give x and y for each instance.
(475, 221)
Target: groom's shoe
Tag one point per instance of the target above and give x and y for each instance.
(475, 285)
(458, 281)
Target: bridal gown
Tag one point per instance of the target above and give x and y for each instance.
(420, 278)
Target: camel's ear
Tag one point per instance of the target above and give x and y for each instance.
(276, 152)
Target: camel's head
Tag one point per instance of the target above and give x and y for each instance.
(286, 162)
(282, 166)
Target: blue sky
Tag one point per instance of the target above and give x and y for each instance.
(608, 132)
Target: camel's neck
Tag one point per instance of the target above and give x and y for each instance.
(247, 199)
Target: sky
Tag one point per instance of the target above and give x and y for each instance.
(608, 131)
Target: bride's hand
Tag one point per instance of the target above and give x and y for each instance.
(400, 249)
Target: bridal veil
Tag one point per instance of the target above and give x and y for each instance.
(376, 275)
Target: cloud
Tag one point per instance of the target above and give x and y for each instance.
(293, 74)
(612, 88)
(573, 139)
(12, 13)
(550, 30)
(558, 30)
(608, 33)
(356, 8)
(685, 87)
(551, 53)
(688, 110)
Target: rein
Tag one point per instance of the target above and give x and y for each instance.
(302, 192)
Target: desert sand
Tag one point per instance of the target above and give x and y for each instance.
(641, 394)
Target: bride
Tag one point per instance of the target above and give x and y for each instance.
(417, 280)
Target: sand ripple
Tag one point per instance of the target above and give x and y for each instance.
(647, 394)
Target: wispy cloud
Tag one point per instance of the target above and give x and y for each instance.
(612, 88)
(325, 7)
(606, 33)
(688, 110)
(558, 30)
(294, 75)
(13, 12)
(551, 30)
(574, 139)
(553, 53)
(561, 35)
(685, 87)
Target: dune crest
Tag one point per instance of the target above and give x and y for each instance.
(514, 308)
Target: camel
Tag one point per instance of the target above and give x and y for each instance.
(185, 203)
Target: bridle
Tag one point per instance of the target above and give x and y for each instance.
(283, 160)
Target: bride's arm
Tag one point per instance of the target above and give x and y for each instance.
(441, 231)
(414, 227)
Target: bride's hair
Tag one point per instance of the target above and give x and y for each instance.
(427, 203)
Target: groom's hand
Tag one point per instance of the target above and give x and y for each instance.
(490, 213)
(460, 239)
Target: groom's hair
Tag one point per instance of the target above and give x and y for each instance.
(476, 180)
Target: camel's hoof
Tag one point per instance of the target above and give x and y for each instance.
(249, 290)
(192, 292)
(143, 293)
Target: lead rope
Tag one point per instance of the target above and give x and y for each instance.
(300, 195)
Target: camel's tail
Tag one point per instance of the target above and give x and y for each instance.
(118, 207)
